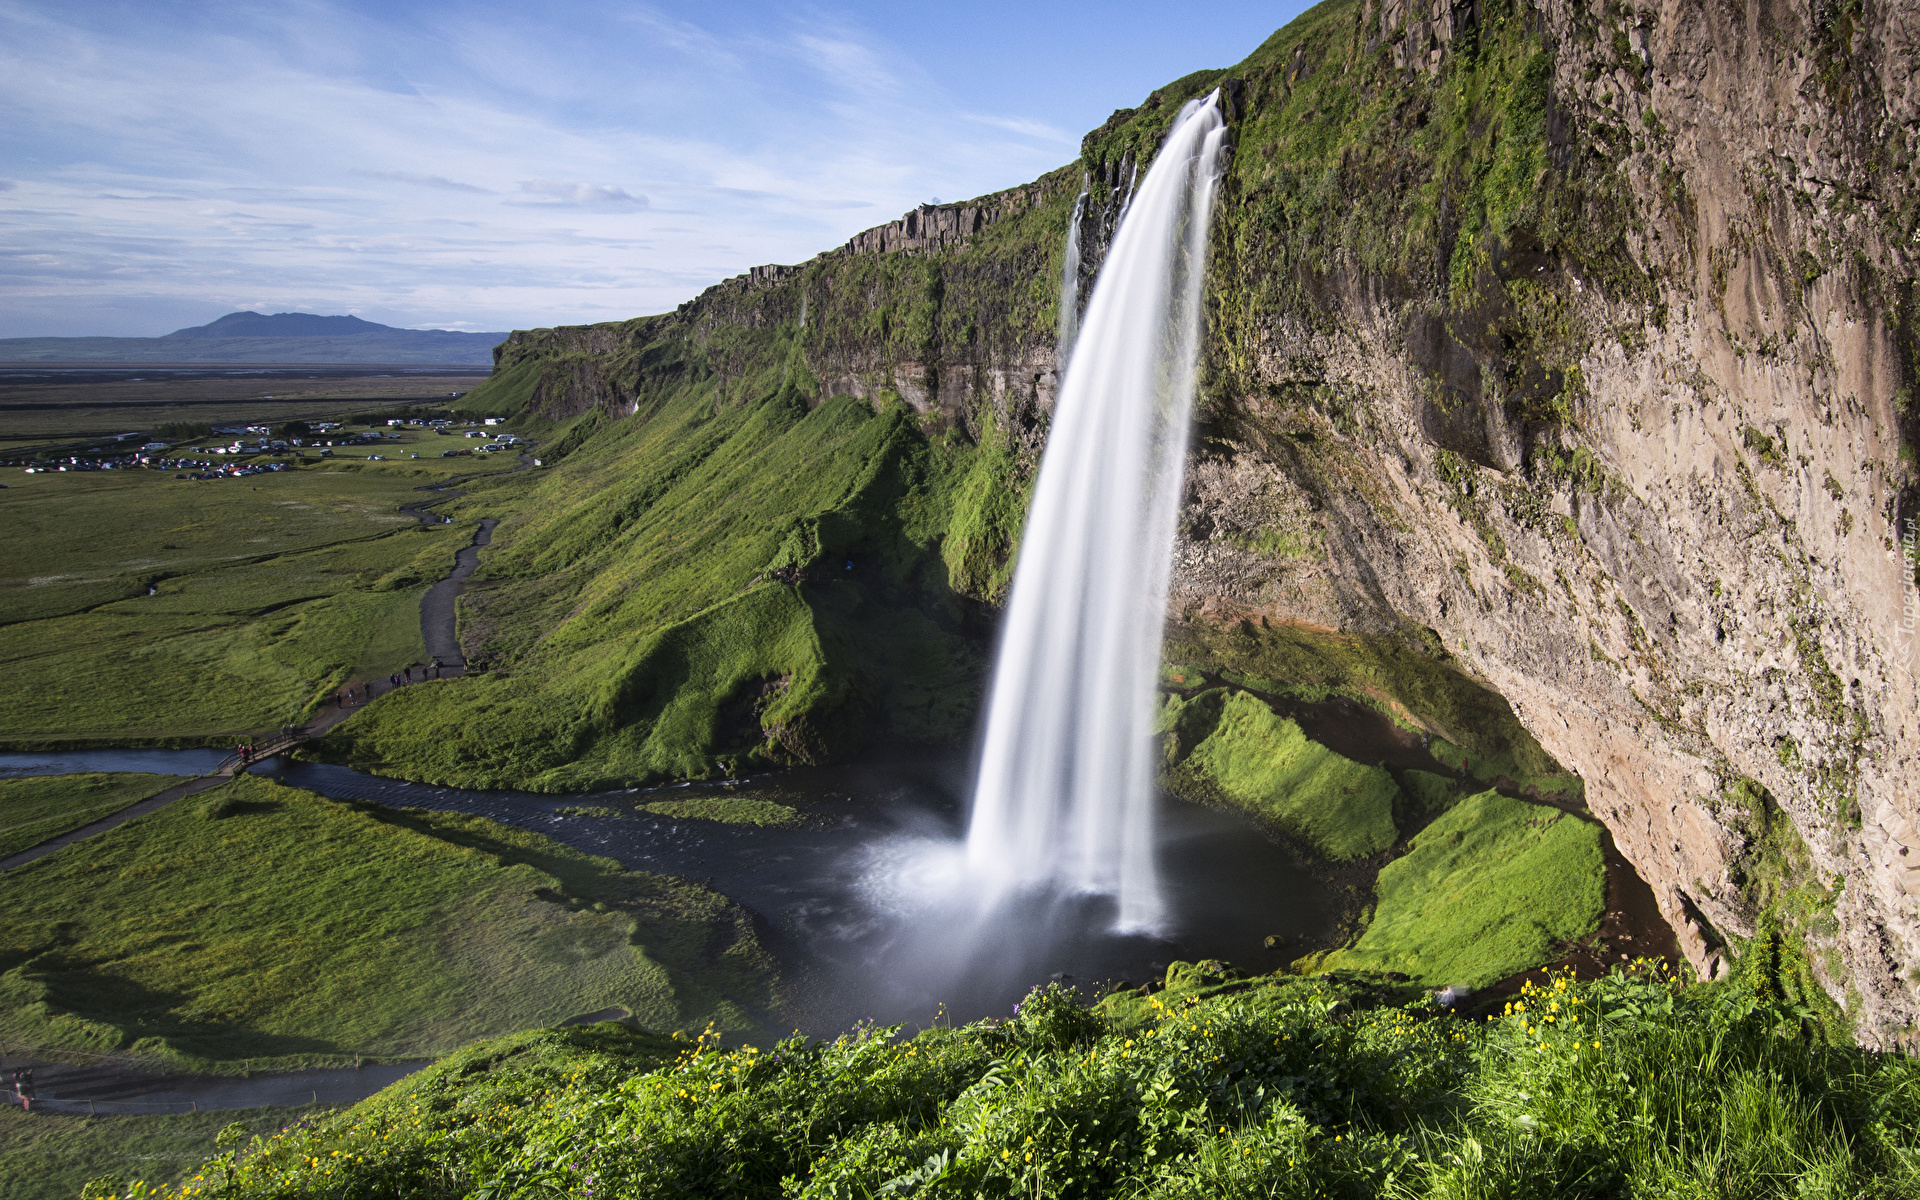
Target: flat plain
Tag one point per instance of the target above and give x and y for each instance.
(138, 607)
(33, 409)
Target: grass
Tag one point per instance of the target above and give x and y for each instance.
(46, 806)
(1493, 887)
(1490, 887)
(1229, 745)
(1633, 1085)
(138, 608)
(734, 810)
(46, 1157)
(258, 924)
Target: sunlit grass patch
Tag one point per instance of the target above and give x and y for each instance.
(1233, 746)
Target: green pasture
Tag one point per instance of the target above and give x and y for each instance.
(258, 925)
(139, 608)
(45, 806)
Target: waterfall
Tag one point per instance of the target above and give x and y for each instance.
(1064, 798)
(1070, 289)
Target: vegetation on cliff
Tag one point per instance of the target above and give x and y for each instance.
(713, 585)
(1208, 1086)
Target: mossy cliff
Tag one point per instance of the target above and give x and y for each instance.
(1557, 401)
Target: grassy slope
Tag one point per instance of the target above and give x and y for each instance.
(1632, 1085)
(262, 922)
(35, 809)
(1493, 887)
(270, 591)
(636, 632)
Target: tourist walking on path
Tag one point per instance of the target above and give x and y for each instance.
(23, 1087)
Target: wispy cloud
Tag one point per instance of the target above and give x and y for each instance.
(1025, 128)
(582, 195)
(431, 181)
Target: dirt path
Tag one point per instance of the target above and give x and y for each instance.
(437, 617)
(437, 614)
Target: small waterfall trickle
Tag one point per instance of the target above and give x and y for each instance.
(1063, 801)
(1070, 289)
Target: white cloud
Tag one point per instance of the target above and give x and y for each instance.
(1033, 129)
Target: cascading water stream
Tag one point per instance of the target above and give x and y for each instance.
(1064, 798)
(1070, 288)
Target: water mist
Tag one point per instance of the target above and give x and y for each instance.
(1063, 803)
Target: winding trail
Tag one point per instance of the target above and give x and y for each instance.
(437, 616)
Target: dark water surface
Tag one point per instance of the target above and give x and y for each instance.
(862, 903)
(67, 762)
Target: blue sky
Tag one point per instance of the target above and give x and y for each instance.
(495, 166)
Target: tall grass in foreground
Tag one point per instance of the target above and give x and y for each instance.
(1630, 1086)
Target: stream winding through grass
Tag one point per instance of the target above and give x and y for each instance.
(848, 951)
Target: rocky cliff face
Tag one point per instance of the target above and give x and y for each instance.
(1574, 344)
(1663, 504)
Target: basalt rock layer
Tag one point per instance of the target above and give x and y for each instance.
(1567, 348)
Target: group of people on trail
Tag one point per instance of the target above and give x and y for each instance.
(363, 693)
(23, 1087)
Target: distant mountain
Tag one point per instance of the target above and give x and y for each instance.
(253, 324)
(251, 337)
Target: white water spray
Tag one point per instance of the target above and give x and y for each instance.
(1064, 800)
(1070, 289)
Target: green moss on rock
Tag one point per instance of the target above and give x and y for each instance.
(1495, 886)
